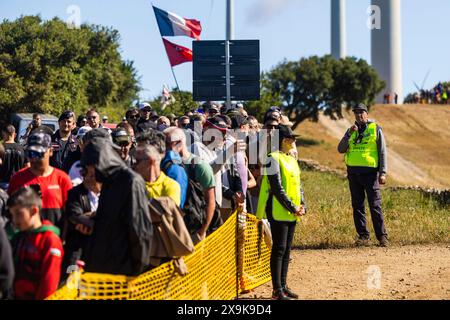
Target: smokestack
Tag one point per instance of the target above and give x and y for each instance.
(338, 29)
(387, 47)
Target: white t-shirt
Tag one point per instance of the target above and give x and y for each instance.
(75, 175)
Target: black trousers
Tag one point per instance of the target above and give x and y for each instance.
(360, 185)
(282, 236)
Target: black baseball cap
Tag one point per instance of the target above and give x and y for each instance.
(238, 121)
(286, 132)
(39, 142)
(66, 115)
(216, 123)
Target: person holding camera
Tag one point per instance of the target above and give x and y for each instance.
(364, 147)
(36, 126)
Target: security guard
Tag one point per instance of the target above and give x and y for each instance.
(281, 201)
(364, 147)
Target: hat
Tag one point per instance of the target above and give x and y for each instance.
(360, 106)
(238, 121)
(105, 118)
(39, 142)
(146, 106)
(214, 107)
(154, 115)
(239, 106)
(120, 135)
(66, 115)
(286, 132)
(216, 123)
(233, 112)
(82, 131)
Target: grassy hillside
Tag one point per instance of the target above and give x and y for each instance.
(411, 217)
(418, 139)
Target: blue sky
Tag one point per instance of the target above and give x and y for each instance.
(286, 29)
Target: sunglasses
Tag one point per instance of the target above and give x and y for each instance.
(123, 144)
(92, 118)
(133, 117)
(31, 154)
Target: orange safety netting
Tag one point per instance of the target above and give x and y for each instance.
(211, 270)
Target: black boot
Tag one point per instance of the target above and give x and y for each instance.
(288, 292)
(280, 295)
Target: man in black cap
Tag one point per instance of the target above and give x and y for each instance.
(212, 111)
(64, 142)
(364, 147)
(54, 183)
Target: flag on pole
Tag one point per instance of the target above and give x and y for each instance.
(177, 54)
(171, 24)
(167, 98)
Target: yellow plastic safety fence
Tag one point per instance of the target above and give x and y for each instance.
(211, 271)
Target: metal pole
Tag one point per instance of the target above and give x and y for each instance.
(176, 82)
(230, 20)
(229, 36)
(228, 73)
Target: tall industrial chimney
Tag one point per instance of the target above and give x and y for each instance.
(338, 30)
(387, 47)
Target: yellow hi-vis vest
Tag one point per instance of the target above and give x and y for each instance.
(365, 153)
(290, 180)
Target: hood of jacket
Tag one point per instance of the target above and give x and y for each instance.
(172, 156)
(101, 154)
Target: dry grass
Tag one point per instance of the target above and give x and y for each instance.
(419, 134)
(410, 216)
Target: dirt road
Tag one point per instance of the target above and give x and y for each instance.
(409, 272)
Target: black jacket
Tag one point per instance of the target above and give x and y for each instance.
(6, 265)
(61, 151)
(121, 240)
(78, 211)
(144, 125)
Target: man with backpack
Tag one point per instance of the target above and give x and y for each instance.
(201, 219)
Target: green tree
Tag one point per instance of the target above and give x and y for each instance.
(182, 104)
(316, 84)
(47, 67)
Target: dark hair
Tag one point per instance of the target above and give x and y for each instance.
(96, 133)
(183, 118)
(153, 138)
(35, 115)
(79, 119)
(226, 119)
(91, 111)
(9, 130)
(26, 197)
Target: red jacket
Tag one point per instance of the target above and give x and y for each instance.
(37, 257)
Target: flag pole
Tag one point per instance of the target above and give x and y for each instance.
(176, 82)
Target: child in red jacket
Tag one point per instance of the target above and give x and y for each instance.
(37, 248)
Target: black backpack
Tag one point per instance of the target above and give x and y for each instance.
(195, 205)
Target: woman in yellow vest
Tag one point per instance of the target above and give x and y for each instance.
(281, 201)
